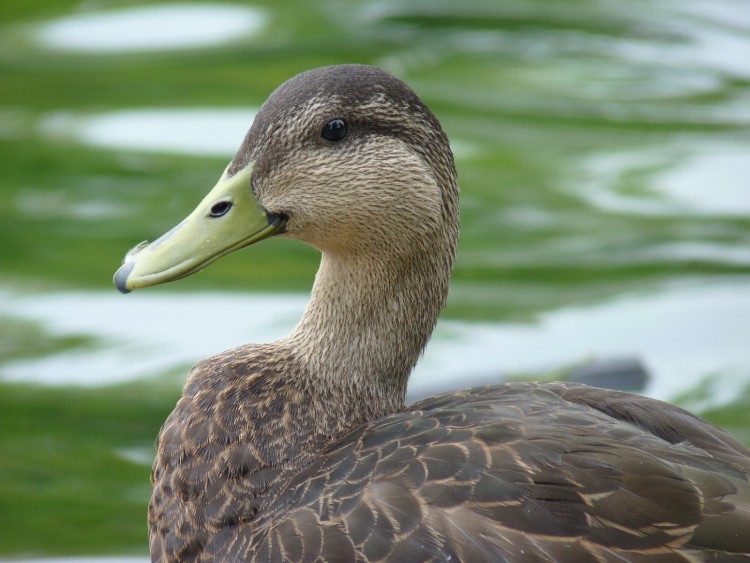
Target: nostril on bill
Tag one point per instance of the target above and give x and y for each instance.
(221, 208)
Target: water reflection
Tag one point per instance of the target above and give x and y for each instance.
(194, 131)
(696, 178)
(148, 28)
(715, 42)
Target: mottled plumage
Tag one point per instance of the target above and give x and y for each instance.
(303, 449)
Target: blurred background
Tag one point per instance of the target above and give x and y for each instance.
(603, 151)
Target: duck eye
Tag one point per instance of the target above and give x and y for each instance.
(220, 208)
(335, 130)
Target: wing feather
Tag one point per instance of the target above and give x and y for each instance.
(521, 472)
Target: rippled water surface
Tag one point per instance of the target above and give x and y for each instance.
(603, 151)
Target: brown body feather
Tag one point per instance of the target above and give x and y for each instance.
(302, 450)
(516, 472)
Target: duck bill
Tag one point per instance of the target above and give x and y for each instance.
(228, 218)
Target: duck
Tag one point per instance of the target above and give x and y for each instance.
(303, 449)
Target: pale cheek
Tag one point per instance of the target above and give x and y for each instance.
(349, 199)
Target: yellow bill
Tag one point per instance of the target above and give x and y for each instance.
(228, 218)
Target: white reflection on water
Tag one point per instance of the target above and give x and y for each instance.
(713, 36)
(698, 178)
(195, 131)
(148, 28)
(698, 251)
(682, 333)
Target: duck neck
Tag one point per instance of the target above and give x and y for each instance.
(367, 323)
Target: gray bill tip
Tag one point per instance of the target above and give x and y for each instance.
(121, 277)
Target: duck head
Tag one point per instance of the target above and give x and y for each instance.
(345, 158)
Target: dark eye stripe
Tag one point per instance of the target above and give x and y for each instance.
(335, 130)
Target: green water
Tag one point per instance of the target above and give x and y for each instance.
(602, 150)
